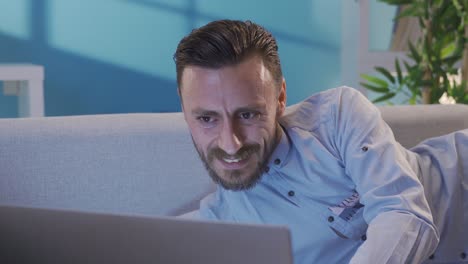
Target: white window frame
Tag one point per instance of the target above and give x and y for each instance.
(368, 59)
(355, 45)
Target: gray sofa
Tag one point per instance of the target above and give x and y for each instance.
(140, 163)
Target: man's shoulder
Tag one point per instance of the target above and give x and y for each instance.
(316, 109)
(214, 206)
(330, 97)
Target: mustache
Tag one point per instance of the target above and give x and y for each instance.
(242, 153)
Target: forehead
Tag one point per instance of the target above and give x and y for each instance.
(247, 81)
(249, 70)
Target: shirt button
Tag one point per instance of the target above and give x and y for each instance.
(331, 219)
(267, 169)
(463, 255)
(291, 193)
(277, 161)
(365, 148)
(364, 238)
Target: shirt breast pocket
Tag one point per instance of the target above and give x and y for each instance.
(346, 219)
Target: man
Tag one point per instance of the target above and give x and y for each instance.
(329, 167)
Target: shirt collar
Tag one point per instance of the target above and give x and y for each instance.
(280, 154)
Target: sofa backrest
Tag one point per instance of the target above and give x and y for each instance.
(123, 163)
(139, 163)
(412, 124)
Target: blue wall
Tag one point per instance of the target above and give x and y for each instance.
(115, 56)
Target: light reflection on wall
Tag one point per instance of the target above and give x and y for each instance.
(309, 38)
(117, 32)
(14, 18)
(309, 20)
(115, 56)
(381, 17)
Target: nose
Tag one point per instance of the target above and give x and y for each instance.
(230, 139)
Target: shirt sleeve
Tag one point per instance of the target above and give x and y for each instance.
(401, 228)
(194, 215)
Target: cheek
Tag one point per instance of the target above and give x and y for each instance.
(270, 123)
(201, 136)
(259, 134)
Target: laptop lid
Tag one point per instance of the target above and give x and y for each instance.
(33, 235)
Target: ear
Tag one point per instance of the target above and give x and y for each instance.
(282, 98)
(180, 98)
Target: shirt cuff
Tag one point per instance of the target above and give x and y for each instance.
(397, 237)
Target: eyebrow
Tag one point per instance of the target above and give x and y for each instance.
(255, 107)
(259, 108)
(203, 112)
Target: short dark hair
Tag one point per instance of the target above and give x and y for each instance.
(225, 43)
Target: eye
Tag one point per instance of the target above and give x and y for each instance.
(206, 120)
(247, 115)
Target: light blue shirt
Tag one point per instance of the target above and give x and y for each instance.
(342, 184)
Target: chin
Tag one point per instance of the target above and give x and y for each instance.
(236, 180)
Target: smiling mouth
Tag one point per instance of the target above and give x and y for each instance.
(235, 160)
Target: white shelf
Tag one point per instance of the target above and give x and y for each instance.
(26, 81)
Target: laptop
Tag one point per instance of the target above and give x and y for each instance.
(34, 235)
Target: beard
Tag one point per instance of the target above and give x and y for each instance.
(234, 179)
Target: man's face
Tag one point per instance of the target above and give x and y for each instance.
(232, 114)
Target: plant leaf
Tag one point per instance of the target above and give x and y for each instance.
(375, 88)
(398, 70)
(450, 60)
(448, 50)
(386, 73)
(407, 66)
(414, 53)
(384, 97)
(381, 83)
(396, 2)
(410, 11)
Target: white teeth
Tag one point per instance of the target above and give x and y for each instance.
(231, 160)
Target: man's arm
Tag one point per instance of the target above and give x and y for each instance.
(394, 237)
(401, 228)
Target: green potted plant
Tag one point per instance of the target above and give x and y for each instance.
(434, 58)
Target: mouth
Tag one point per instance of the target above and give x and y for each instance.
(234, 160)
(237, 161)
(234, 163)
